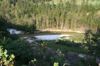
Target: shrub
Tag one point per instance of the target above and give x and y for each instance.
(5, 59)
(20, 49)
(56, 64)
(26, 52)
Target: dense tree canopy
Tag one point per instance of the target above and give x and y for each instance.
(46, 14)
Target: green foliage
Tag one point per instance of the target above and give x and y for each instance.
(56, 64)
(45, 14)
(5, 59)
(65, 47)
(89, 42)
(26, 53)
(27, 15)
(93, 42)
(20, 49)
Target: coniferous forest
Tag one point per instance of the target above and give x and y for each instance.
(22, 22)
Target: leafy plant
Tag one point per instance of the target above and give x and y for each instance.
(56, 64)
(93, 41)
(5, 59)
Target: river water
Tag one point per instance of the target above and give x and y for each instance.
(52, 37)
(40, 37)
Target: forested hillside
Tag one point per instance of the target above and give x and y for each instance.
(45, 14)
(49, 32)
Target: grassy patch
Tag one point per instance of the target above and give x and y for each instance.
(64, 48)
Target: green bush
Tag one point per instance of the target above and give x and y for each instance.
(20, 49)
(5, 59)
(25, 52)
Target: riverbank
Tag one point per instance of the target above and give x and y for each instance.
(54, 35)
(62, 30)
(76, 35)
